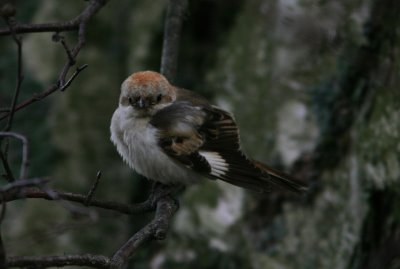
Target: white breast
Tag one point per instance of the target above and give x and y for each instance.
(136, 142)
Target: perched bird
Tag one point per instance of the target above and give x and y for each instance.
(172, 135)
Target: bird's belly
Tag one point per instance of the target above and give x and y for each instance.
(148, 159)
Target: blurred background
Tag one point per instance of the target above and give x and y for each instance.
(313, 85)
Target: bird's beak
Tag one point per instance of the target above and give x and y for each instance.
(141, 103)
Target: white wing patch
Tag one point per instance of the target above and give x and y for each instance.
(219, 167)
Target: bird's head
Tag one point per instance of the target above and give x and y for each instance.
(144, 93)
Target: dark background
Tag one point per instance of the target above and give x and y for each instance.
(313, 85)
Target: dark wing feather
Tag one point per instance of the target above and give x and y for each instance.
(223, 137)
(178, 126)
(206, 139)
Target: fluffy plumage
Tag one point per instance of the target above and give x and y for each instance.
(173, 135)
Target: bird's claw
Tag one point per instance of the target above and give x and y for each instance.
(159, 191)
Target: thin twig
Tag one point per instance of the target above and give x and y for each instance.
(93, 189)
(9, 174)
(74, 75)
(68, 51)
(77, 48)
(3, 210)
(59, 38)
(20, 77)
(25, 152)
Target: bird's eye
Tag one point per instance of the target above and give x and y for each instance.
(159, 98)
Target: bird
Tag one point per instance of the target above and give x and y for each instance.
(174, 136)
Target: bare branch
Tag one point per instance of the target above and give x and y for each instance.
(78, 198)
(79, 23)
(20, 77)
(156, 229)
(96, 261)
(39, 182)
(43, 27)
(34, 182)
(71, 25)
(172, 33)
(25, 152)
(73, 209)
(9, 187)
(93, 189)
(51, 89)
(84, 17)
(9, 176)
(58, 38)
(74, 75)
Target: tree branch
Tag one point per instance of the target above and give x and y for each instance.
(36, 97)
(79, 23)
(72, 78)
(35, 193)
(96, 261)
(156, 229)
(172, 33)
(90, 194)
(25, 152)
(17, 39)
(9, 176)
(22, 183)
(71, 25)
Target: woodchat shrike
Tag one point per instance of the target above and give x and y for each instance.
(172, 135)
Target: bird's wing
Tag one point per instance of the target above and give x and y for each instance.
(206, 139)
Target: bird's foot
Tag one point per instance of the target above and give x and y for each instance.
(159, 191)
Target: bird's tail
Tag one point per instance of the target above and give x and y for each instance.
(281, 179)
